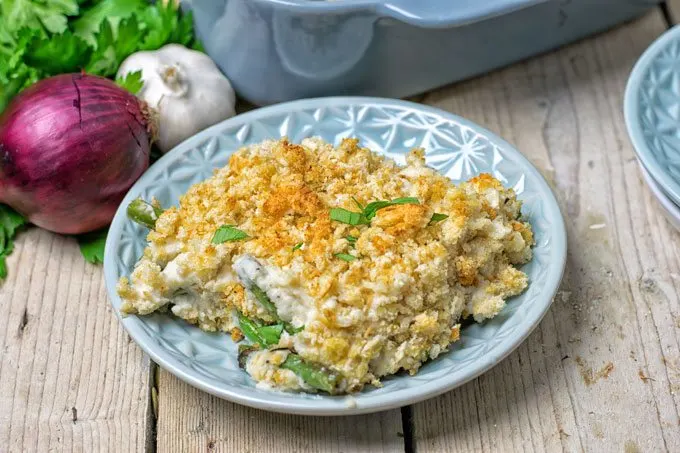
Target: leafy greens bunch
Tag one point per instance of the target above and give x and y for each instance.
(41, 38)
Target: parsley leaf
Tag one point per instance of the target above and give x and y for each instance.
(436, 217)
(351, 239)
(351, 218)
(368, 212)
(41, 38)
(405, 200)
(227, 233)
(10, 222)
(57, 54)
(345, 257)
(113, 11)
(161, 20)
(47, 15)
(373, 207)
(92, 245)
(132, 82)
(128, 36)
(298, 246)
(103, 61)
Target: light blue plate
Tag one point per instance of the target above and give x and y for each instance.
(652, 111)
(456, 147)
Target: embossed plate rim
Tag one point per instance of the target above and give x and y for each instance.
(631, 112)
(362, 402)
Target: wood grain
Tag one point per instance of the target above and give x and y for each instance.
(70, 378)
(601, 372)
(191, 420)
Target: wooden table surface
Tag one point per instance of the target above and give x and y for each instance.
(601, 372)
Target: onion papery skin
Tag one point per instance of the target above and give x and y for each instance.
(70, 148)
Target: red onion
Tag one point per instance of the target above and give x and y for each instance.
(70, 148)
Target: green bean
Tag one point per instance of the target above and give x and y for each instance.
(271, 334)
(143, 213)
(267, 303)
(314, 375)
(251, 331)
(265, 336)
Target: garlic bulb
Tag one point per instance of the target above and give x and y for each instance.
(185, 87)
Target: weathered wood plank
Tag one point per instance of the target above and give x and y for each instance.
(70, 379)
(191, 420)
(601, 372)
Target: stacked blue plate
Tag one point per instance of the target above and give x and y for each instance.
(652, 110)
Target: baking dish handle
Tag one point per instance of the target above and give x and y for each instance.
(449, 13)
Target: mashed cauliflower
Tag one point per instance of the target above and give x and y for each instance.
(413, 271)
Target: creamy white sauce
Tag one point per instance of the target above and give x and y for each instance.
(292, 303)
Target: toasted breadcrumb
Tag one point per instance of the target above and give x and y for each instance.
(394, 307)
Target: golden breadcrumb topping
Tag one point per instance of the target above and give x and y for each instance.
(393, 307)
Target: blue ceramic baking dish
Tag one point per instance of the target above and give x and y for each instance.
(278, 50)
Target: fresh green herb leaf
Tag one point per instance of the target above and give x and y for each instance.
(88, 24)
(15, 74)
(10, 222)
(92, 245)
(436, 217)
(351, 239)
(228, 233)
(373, 207)
(41, 38)
(47, 15)
(405, 200)
(58, 54)
(358, 204)
(3, 266)
(345, 257)
(298, 246)
(103, 61)
(313, 374)
(128, 36)
(131, 82)
(351, 218)
(161, 20)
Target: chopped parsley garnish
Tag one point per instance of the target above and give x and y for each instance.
(436, 217)
(298, 246)
(228, 233)
(373, 207)
(92, 245)
(351, 218)
(351, 239)
(368, 212)
(345, 257)
(405, 200)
